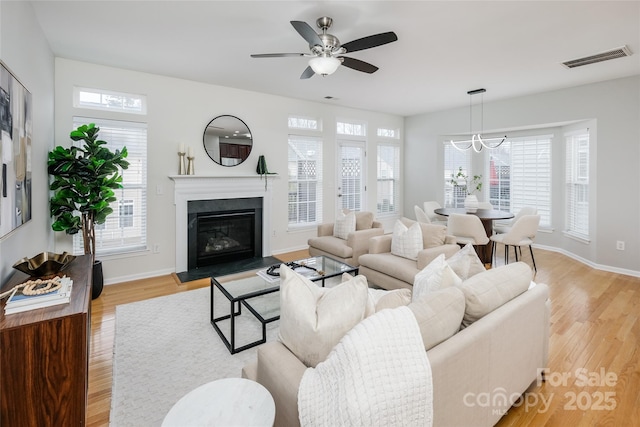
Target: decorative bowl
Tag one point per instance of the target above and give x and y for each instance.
(44, 264)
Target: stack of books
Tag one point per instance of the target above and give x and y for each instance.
(19, 302)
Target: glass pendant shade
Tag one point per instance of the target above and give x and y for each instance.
(324, 65)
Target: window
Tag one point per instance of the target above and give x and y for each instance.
(97, 99)
(453, 159)
(520, 175)
(577, 184)
(389, 133)
(351, 128)
(307, 123)
(305, 180)
(388, 175)
(125, 229)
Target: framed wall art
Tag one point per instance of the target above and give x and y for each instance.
(15, 151)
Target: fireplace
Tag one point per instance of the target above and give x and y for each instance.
(224, 230)
(198, 188)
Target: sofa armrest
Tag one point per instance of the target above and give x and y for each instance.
(377, 224)
(450, 240)
(280, 372)
(359, 241)
(380, 244)
(425, 256)
(325, 229)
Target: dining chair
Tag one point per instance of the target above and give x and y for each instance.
(421, 216)
(467, 229)
(429, 208)
(521, 234)
(504, 226)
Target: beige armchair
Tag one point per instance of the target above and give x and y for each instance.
(346, 250)
(389, 271)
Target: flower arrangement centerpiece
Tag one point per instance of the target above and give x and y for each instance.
(469, 184)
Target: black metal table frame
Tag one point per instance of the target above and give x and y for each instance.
(236, 310)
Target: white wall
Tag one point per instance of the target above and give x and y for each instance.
(613, 106)
(26, 53)
(178, 111)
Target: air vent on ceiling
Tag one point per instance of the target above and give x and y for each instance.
(619, 52)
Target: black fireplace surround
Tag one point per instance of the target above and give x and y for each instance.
(223, 230)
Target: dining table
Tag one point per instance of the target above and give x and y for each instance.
(487, 216)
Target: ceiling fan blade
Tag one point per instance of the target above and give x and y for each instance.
(307, 33)
(307, 73)
(358, 65)
(370, 41)
(275, 55)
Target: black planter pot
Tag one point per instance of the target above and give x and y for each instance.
(98, 280)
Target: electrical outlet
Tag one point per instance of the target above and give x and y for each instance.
(620, 245)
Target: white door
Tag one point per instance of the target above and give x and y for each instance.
(351, 175)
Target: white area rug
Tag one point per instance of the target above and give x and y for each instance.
(166, 347)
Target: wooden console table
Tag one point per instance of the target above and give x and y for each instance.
(44, 355)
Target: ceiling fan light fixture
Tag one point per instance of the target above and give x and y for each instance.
(324, 65)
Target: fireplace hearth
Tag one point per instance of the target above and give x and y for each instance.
(224, 230)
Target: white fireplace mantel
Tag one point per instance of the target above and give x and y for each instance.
(204, 187)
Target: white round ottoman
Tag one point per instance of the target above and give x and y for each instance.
(225, 402)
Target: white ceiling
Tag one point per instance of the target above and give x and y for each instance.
(444, 48)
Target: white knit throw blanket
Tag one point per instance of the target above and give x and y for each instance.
(377, 375)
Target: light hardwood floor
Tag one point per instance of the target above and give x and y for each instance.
(594, 330)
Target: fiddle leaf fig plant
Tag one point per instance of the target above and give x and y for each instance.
(84, 180)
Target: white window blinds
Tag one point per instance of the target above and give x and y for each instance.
(305, 180)
(388, 176)
(125, 229)
(454, 159)
(577, 184)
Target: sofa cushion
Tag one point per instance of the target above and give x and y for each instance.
(313, 319)
(435, 276)
(345, 223)
(490, 289)
(465, 263)
(364, 220)
(380, 299)
(432, 234)
(332, 245)
(401, 268)
(438, 314)
(406, 242)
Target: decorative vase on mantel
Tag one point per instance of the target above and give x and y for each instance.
(471, 203)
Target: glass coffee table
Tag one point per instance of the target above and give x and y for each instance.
(259, 295)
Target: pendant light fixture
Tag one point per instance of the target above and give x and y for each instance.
(477, 142)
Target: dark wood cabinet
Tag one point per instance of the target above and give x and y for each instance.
(44, 357)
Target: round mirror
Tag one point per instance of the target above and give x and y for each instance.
(227, 140)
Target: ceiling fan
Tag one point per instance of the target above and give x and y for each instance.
(326, 50)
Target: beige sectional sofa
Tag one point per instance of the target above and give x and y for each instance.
(494, 354)
(389, 271)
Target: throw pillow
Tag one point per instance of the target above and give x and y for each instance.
(439, 315)
(344, 224)
(380, 299)
(364, 220)
(432, 234)
(313, 319)
(406, 242)
(435, 276)
(488, 290)
(465, 263)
